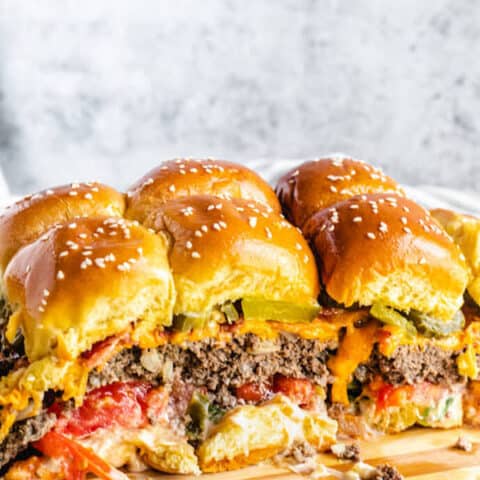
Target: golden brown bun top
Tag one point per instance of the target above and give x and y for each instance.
(317, 184)
(86, 280)
(383, 248)
(182, 177)
(229, 249)
(465, 232)
(27, 219)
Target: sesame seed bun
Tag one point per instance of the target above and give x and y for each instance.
(27, 219)
(182, 177)
(320, 183)
(229, 249)
(465, 232)
(383, 248)
(86, 280)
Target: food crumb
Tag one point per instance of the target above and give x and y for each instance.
(346, 452)
(387, 472)
(463, 443)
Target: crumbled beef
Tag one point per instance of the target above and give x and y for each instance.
(220, 368)
(411, 364)
(387, 472)
(23, 433)
(346, 451)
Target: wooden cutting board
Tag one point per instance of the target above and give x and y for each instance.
(419, 454)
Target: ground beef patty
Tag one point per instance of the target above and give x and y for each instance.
(220, 368)
(23, 433)
(411, 364)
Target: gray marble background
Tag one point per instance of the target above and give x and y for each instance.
(108, 88)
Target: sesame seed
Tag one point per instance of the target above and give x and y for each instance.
(189, 245)
(323, 227)
(87, 253)
(46, 292)
(404, 220)
(405, 209)
(123, 267)
(148, 182)
(252, 221)
(383, 227)
(73, 193)
(216, 227)
(194, 170)
(110, 257)
(333, 188)
(198, 233)
(195, 255)
(204, 228)
(210, 207)
(305, 258)
(222, 224)
(357, 219)
(132, 260)
(86, 263)
(140, 250)
(172, 188)
(41, 309)
(423, 261)
(49, 192)
(89, 196)
(354, 206)
(100, 262)
(371, 235)
(407, 230)
(82, 235)
(268, 232)
(28, 269)
(44, 302)
(60, 275)
(331, 228)
(240, 209)
(298, 246)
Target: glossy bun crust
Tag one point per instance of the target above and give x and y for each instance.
(86, 280)
(27, 219)
(182, 177)
(387, 249)
(320, 183)
(229, 249)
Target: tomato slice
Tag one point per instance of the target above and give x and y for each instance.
(77, 460)
(253, 392)
(299, 390)
(124, 404)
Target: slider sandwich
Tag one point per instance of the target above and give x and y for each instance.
(406, 357)
(184, 338)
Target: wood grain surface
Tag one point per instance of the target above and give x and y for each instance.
(419, 454)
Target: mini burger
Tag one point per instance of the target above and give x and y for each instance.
(405, 358)
(185, 339)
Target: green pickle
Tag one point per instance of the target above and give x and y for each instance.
(185, 323)
(280, 311)
(391, 317)
(430, 326)
(230, 312)
(198, 409)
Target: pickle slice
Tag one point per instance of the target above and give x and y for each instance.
(277, 310)
(391, 317)
(185, 323)
(433, 327)
(230, 312)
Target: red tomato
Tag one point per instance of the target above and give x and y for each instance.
(253, 392)
(121, 404)
(299, 390)
(78, 461)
